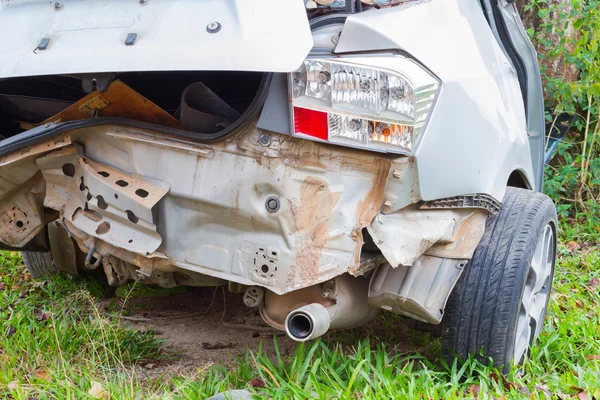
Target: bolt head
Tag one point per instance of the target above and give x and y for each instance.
(213, 27)
(272, 204)
(264, 139)
(58, 5)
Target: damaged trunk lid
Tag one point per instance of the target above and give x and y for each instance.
(75, 37)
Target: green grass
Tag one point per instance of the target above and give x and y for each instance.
(55, 343)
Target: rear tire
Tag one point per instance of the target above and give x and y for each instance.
(500, 301)
(39, 264)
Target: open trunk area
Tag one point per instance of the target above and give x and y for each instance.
(200, 102)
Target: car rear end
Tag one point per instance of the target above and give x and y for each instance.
(326, 160)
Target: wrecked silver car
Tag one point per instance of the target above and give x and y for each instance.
(325, 159)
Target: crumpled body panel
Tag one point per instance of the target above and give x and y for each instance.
(165, 204)
(403, 236)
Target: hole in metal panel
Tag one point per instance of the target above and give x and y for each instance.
(76, 213)
(68, 169)
(142, 193)
(101, 203)
(104, 174)
(103, 228)
(20, 224)
(132, 217)
(122, 183)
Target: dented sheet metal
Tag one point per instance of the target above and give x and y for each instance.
(205, 209)
(162, 204)
(403, 236)
(102, 201)
(22, 193)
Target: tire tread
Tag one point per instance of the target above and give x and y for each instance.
(38, 264)
(481, 310)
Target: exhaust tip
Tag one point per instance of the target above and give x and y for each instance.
(300, 326)
(308, 322)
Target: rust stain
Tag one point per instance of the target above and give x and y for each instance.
(368, 208)
(20, 214)
(311, 215)
(465, 239)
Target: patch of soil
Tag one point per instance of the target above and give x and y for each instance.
(207, 326)
(202, 327)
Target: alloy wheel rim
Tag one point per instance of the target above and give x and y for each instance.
(535, 296)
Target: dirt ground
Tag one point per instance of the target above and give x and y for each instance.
(207, 326)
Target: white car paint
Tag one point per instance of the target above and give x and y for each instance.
(476, 136)
(89, 36)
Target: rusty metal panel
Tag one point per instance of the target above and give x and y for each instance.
(164, 204)
(20, 213)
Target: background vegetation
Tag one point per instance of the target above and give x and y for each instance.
(566, 34)
(54, 343)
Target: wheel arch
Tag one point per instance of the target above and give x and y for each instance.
(518, 179)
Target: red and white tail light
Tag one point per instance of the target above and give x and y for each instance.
(375, 103)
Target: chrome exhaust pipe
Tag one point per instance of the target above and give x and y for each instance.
(307, 322)
(340, 303)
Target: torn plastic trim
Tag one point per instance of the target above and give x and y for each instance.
(479, 201)
(51, 130)
(419, 291)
